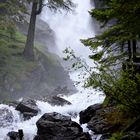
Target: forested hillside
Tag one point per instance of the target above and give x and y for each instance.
(21, 77)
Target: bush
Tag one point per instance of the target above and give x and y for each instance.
(122, 86)
(116, 136)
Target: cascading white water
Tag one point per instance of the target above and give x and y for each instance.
(69, 29)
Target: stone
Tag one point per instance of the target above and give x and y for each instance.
(55, 100)
(105, 136)
(96, 121)
(54, 126)
(16, 135)
(99, 124)
(28, 108)
(13, 135)
(88, 113)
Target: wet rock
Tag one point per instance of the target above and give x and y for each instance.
(28, 108)
(99, 124)
(95, 117)
(16, 135)
(13, 135)
(54, 126)
(105, 136)
(88, 113)
(131, 136)
(6, 117)
(55, 100)
(28, 115)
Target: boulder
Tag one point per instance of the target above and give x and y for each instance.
(99, 124)
(105, 136)
(6, 117)
(16, 135)
(54, 126)
(55, 100)
(13, 135)
(88, 113)
(95, 117)
(28, 108)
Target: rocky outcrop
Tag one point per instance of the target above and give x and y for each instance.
(30, 79)
(95, 117)
(16, 135)
(99, 124)
(87, 114)
(54, 126)
(28, 108)
(13, 135)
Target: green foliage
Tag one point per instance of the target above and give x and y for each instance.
(116, 136)
(121, 20)
(123, 87)
(11, 11)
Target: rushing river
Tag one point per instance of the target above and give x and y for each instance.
(79, 102)
(69, 29)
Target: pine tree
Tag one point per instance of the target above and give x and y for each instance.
(37, 6)
(122, 18)
(116, 45)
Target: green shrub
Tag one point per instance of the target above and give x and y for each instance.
(116, 136)
(121, 86)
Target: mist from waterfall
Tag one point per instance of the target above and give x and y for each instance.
(70, 27)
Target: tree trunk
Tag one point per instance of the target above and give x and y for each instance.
(134, 50)
(29, 47)
(129, 50)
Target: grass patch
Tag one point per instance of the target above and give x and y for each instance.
(14, 68)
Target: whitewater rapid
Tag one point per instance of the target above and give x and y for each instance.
(79, 102)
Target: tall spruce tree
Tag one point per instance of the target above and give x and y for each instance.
(116, 45)
(122, 18)
(37, 6)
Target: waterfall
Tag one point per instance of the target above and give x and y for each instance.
(69, 29)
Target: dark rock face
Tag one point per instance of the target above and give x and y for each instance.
(6, 117)
(13, 135)
(94, 116)
(54, 126)
(131, 136)
(105, 136)
(98, 123)
(88, 113)
(55, 100)
(16, 135)
(28, 108)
